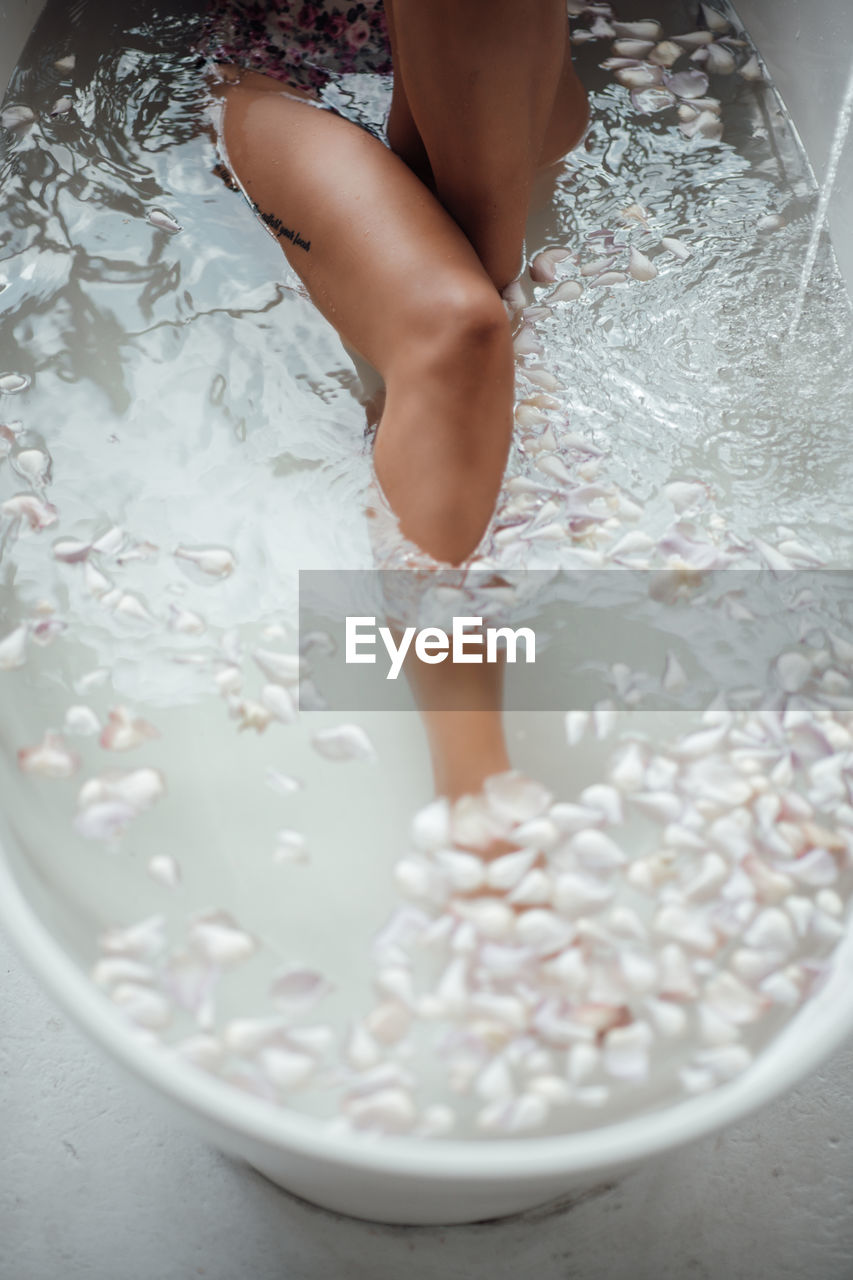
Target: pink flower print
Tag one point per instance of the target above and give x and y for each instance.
(358, 34)
(336, 26)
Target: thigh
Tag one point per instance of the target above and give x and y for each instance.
(373, 246)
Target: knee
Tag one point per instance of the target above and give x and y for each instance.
(461, 320)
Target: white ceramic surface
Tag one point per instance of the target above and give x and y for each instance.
(402, 1180)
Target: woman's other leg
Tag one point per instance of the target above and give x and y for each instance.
(489, 88)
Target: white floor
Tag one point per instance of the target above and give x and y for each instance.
(95, 1184)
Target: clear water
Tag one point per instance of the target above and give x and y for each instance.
(187, 392)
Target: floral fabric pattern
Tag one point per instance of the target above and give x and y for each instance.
(302, 44)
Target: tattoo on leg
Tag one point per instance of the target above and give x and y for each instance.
(223, 173)
(278, 229)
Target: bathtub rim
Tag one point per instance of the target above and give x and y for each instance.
(496, 1161)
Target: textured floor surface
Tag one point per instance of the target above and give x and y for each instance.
(95, 1184)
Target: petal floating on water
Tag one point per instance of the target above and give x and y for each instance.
(642, 77)
(567, 291)
(580, 894)
(165, 870)
(123, 731)
(344, 742)
(684, 494)
(676, 247)
(13, 648)
(16, 116)
(32, 465)
(640, 267)
(281, 668)
(596, 850)
(655, 98)
(665, 54)
(720, 61)
(505, 872)
(46, 630)
(283, 783)
(609, 278)
(279, 703)
(793, 670)
(617, 64)
(202, 1050)
(489, 916)
(543, 267)
(687, 84)
(601, 28)
(513, 797)
(251, 714)
(706, 125)
(286, 1068)
(645, 29)
(296, 990)
(104, 819)
(360, 1048)
(576, 723)
(51, 758)
(536, 889)
(111, 542)
(163, 221)
(145, 939)
(628, 47)
(751, 69)
(26, 506)
(525, 342)
(465, 871)
(97, 583)
(137, 788)
(185, 622)
(112, 969)
(81, 720)
(143, 1005)
(217, 937)
(626, 1051)
(693, 39)
(71, 550)
(214, 562)
(430, 827)
(291, 846)
(130, 606)
(714, 20)
(389, 1022)
(386, 1110)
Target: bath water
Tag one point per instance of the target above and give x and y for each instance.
(173, 400)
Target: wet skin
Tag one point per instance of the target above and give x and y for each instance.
(406, 250)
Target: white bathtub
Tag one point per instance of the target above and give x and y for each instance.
(447, 1182)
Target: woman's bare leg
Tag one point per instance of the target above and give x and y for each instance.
(462, 711)
(489, 89)
(401, 283)
(390, 269)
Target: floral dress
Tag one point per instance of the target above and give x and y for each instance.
(300, 44)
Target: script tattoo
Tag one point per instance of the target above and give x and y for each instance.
(278, 229)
